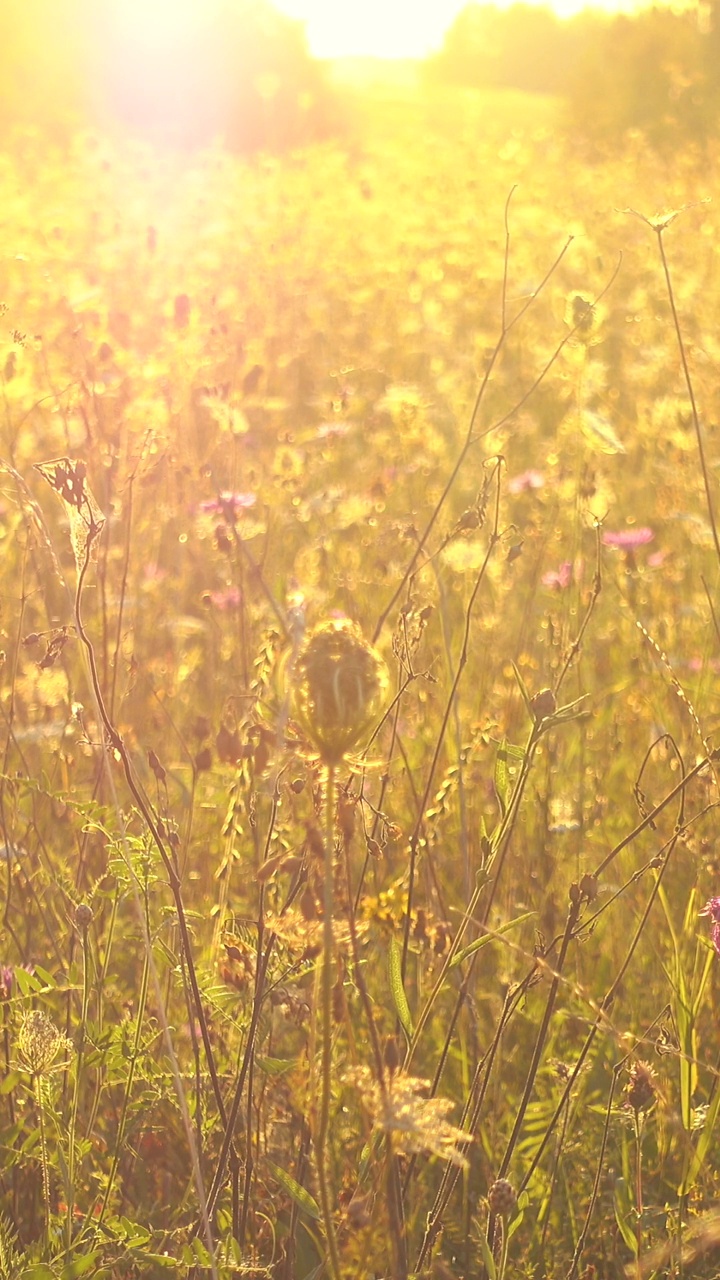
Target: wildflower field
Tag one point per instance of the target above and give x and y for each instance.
(361, 635)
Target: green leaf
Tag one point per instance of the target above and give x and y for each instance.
(45, 977)
(302, 1198)
(623, 1213)
(524, 691)
(504, 772)
(80, 1265)
(703, 1145)
(489, 937)
(397, 989)
(488, 1259)
(27, 982)
(273, 1066)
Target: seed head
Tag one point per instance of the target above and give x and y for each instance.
(338, 684)
(502, 1198)
(40, 1042)
(543, 705)
(641, 1088)
(83, 917)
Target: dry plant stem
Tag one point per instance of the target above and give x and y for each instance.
(500, 843)
(469, 1122)
(122, 598)
(240, 1219)
(118, 746)
(221, 1167)
(44, 1161)
(79, 1054)
(323, 1120)
(601, 1019)
(257, 575)
(691, 392)
(572, 919)
(649, 819)
(470, 439)
(135, 1053)
(450, 703)
(638, 1127)
(395, 1192)
(580, 1246)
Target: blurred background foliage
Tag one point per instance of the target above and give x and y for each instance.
(657, 71)
(242, 72)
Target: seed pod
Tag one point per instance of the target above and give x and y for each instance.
(339, 681)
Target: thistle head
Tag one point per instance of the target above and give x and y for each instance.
(338, 684)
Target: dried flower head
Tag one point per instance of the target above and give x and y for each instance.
(502, 1198)
(40, 1043)
(83, 917)
(338, 683)
(641, 1088)
(580, 314)
(712, 909)
(6, 982)
(415, 1123)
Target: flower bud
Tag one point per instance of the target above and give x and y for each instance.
(83, 916)
(502, 1198)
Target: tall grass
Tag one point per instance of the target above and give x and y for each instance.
(305, 972)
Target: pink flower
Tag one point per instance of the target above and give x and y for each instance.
(527, 480)
(227, 504)
(627, 539)
(224, 600)
(559, 578)
(712, 909)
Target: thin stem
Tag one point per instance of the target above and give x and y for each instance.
(37, 1083)
(691, 392)
(76, 1088)
(326, 996)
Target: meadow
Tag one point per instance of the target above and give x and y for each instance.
(361, 637)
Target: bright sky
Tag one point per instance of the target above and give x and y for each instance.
(339, 28)
(395, 28)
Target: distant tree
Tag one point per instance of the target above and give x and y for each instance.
(656, 72)
(523, 47)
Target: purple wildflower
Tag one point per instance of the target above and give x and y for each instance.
(526, 480)
(712, 909)
(6, 982)
(627, 539)
(227, 504)
(559, 578)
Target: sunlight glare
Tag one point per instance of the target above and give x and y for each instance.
(156, 24)
(401, 28)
